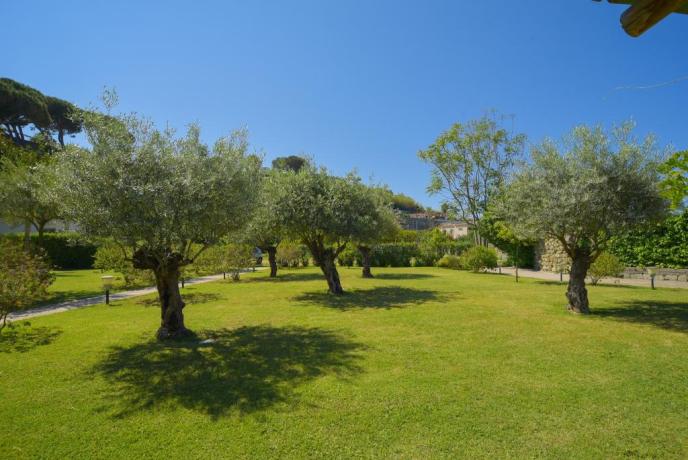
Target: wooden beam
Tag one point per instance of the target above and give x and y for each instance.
(644, 14)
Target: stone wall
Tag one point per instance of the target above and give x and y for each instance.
(666, 274)
(551, 257)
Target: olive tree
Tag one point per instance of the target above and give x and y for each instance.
(592, 185)
(325, 213)
(382, 226)
(164, 198)
(265, 230)
(27, 195)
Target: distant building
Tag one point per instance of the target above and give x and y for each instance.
(430, 220)
(455, 229)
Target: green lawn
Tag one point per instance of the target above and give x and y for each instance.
(77, 284)
(415, 363)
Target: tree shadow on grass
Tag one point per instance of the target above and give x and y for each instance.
(588, 284)
(666, 315)
(22, 337)
(283, 277)
(385, 297)
(402, 276)
(242, 370)
(192, 298)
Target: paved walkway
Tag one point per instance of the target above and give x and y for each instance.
(613, 281)
(86, 302)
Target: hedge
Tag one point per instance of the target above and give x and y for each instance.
(660, 245)
(382, 255)
(65, 250)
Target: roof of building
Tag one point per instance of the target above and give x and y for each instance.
(643, 14)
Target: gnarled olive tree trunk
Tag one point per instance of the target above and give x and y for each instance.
(576, 292)
(365, 261)
(166, 270)
(272, 259)
(325, 258)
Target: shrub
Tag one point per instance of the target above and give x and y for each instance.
(64, 250)
(606, 265)
(450, 261)
(110, 257)
(238, 257)
(291, 255)
(349, 257)
(479, 258)
(24, 279)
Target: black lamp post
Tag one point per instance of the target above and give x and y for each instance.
(108, 281)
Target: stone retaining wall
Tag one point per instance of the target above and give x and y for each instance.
(666, 274)
(551, 257)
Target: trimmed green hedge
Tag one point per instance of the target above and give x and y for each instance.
(660, 245)
(65, 250)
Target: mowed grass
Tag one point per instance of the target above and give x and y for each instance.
(77, 284)
(416, 363)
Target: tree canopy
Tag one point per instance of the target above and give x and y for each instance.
(470, 164)
(265, 230)
(675, 182)
(383, 226)
(22, 105)
(164, 197)
(593, 185)
(325, 213)
(27, 185)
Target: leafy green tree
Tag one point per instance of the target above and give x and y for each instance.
(24, 279)
(470, 163)
(675, 182)
(325, 213)
(601, 185)
(27, 186)
(163, 197)
(433, 244)
(498, 232)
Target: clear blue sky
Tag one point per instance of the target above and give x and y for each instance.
(355, 84)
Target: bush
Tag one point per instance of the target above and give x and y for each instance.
(479, 258)
(606, 265)
(64, 250)
(450, 261)
(24, 279)
(349, 257)
(109, 257)
(238, 257)
(292, 254)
